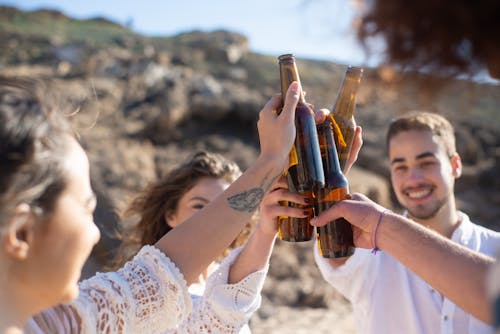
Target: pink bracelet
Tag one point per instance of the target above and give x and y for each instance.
(375, 248)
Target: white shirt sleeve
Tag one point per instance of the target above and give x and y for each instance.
(225, 308)
(148, 295)
(350, 279)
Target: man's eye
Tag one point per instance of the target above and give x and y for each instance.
(400, 168)
(198, 206)
(428, 163)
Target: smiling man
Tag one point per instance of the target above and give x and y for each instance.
(387, 296)
(424, 165)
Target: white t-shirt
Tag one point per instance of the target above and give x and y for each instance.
(389, 298)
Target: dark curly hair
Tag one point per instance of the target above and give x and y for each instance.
(451, 37)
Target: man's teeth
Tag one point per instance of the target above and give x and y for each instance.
(418, 194)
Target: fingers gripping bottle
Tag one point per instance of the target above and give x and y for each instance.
(305, 172)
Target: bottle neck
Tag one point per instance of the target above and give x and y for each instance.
(331, 165)
(345, 102)
(288, 74)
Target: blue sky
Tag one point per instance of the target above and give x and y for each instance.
(319, 29)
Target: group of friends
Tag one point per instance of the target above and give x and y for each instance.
(429, 275)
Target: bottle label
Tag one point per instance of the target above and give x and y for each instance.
(292, 157)
(283, 203)
(338, 133)
(334, 195)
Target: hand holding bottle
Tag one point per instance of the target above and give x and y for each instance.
(277, 131)
(271, 209)
(361, 212)
(305, 172)
(320, 116)
(343, 112)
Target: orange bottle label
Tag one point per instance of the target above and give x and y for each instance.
(292, 157)
(335, 195)
(338, 132)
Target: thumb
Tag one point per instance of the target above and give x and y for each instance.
(291, 99)
(334, 212)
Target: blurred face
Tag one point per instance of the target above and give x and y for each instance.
(422, 174)
(204, 192)
(63, 242)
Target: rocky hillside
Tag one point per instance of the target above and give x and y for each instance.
(146, 103)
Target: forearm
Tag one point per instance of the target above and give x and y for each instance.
(455, 271)
(212, 229)
(254, 256)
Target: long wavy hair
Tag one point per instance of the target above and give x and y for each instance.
(150, 205)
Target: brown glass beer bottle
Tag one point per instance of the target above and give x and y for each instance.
(335, 239)
(305, 172)
(343, 112)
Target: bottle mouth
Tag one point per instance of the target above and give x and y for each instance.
(286, 57)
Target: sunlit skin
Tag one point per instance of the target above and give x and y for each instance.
(423, 178)
(64, 243)
(203, 192)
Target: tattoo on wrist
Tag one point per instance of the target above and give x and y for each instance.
(249, 200)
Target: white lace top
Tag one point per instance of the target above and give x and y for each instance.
(149, 295)
(231, 304)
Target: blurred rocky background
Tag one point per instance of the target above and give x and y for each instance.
(141, 104)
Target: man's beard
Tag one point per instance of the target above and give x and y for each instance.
(425, 214)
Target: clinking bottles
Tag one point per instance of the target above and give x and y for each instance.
(305, 172)
(343, 112)
(335, 239)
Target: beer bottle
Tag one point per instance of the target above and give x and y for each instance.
(335, 239)
(343, 113)
(305, 171)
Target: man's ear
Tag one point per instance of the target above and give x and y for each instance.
(19, 234)
(456, 165)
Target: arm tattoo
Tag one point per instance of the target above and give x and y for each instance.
(249, 200)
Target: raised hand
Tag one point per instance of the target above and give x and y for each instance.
(320, 116)
(277, 132)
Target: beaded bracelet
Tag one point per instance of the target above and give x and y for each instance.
(375, 248)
